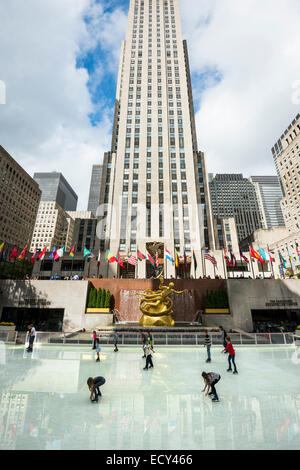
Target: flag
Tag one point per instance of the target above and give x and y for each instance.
(298, 254)
(168, 256)
(110, 258)
(1, 247)
(156, 259)
(53, 254)
(290, 258)
(185, 259)
(98, 260)
(59, 253)
(119, 260)
(151, 260)
(227, 259)
(195, 260)
(132, 259)
(233, 259)
(72, 252)
(33, 256)
(255, 255)
(41, 255)
(176, 260)
(140, 256)
(209, 257)
(270, 257)
(4, 255)
(243, 256)
(282, 260)
(263, 253)
(13, 254)
(22, 255)
(87, 253)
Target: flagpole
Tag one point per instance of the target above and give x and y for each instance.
(225, 272)
(272, 270)
(242, 264)
(251, 261)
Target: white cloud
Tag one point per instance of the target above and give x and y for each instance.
(45, 123)
(255, 45)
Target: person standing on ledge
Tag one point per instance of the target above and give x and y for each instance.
(94, 385)
(231, 357)
(210, 380)
(147, 350)
(31, 338)
(207, 343)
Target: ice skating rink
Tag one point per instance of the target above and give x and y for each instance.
(45, 400)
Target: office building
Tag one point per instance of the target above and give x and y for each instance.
(269, 195)
(55, 188)
(19, 202)
(232, 195)
(95, 189)
(151, 192)
(287, 159)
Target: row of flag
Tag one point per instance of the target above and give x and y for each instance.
(261, 255)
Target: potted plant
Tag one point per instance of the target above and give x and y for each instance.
(98, 301)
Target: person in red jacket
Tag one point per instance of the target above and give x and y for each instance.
(231, 355)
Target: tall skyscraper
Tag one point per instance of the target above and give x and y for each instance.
(286, 154)
(95, 188)
(269, 195)
(55, 188)
(234, 196)
(152, 191)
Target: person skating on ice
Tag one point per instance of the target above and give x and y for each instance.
(144, 339)
(207, 343)
(31, 338)
(210, 380)
(94, 339)
(94, 385)
(147, 350)
(231, 357)
(224, 334)
(98, 347)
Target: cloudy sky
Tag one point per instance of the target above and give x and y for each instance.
(59, 61)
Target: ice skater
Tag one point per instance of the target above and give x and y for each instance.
(144, 339)
(149, 338)
(116, 339)
(31, 334)
(94, 385)
(229, 348)
(147, 350)
(98, 349)
(210, 380)
(207, 343)
(224, 334)
(94, 339)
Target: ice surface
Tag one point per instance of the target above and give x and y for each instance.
(45, 400)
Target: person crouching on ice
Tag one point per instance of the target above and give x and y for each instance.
(94, 385)
(210, 380)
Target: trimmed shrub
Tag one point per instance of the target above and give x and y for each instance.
(107, 300)
(103, 297)
(99, 297)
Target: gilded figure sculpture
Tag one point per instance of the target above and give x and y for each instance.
(157, 307)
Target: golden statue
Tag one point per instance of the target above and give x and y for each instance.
(157, 307)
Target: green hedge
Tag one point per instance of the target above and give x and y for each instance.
(216, 299)
(100, 298)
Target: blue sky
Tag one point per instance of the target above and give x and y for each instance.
(59, 62)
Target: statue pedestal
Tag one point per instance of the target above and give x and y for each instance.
(161, 320)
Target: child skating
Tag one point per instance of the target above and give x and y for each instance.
(231, 356)
(210, 380)
(94, 385)
(147, 350)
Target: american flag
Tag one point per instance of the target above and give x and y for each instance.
(132, 259)
(210, 258)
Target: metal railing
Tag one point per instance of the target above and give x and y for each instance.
(164, 339)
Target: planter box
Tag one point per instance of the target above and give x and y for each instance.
(7, 328)
(97, 310)
(217, 311)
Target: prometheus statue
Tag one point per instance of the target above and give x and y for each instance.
(157, 307)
